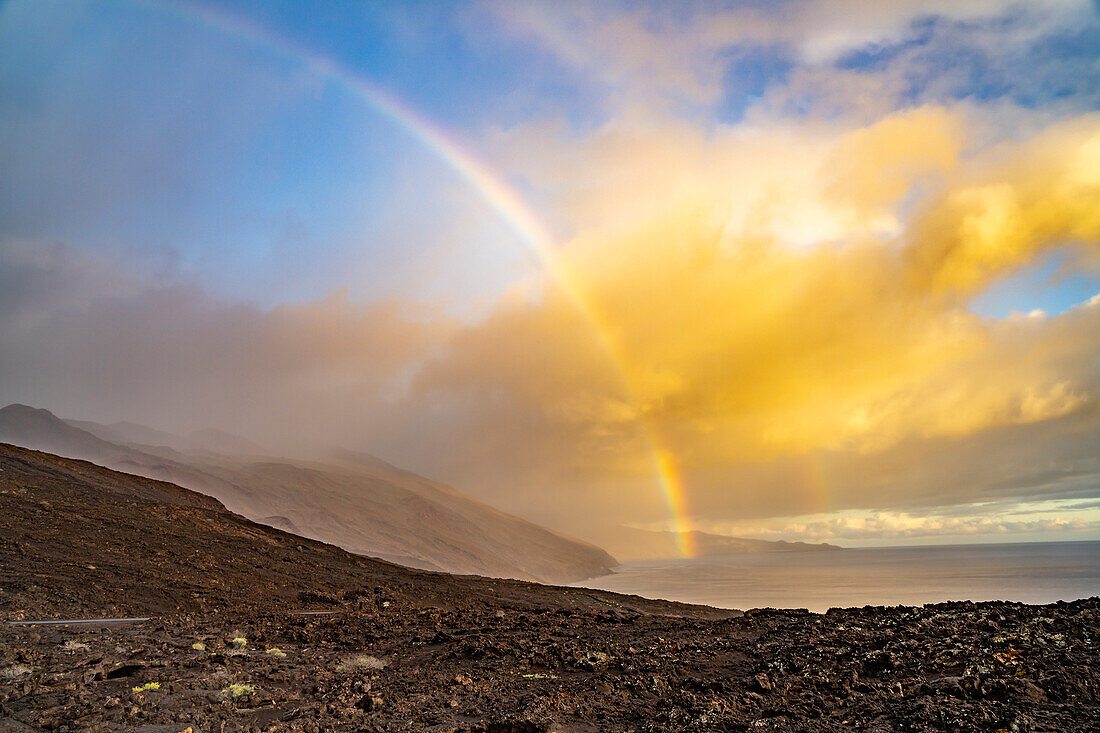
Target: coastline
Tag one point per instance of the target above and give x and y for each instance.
(1034, 573)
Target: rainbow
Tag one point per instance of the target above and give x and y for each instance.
(502, 198)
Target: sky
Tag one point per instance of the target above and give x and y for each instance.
(807, 270)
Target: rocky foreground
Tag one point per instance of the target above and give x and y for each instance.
(227, 648)
(476, 667)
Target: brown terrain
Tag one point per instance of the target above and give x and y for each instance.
(228, 649)
(353, 500)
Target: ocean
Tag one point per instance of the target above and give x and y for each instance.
(1033, 573)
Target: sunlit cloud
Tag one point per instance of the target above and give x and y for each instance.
(1005, 522)
(733, 323)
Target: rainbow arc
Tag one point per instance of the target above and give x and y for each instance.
(502, 198)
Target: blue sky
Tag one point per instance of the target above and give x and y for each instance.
(184, 147)
(1049, 286)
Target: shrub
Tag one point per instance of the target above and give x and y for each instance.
(237, 689)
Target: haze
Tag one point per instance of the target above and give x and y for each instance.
(780, 271)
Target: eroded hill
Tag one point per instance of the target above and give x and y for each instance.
(365, 506)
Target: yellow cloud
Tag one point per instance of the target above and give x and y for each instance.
(739, 344)
(1034, 196)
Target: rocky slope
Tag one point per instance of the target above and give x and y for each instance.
(79, 539)
(355, 501)
(414, 650)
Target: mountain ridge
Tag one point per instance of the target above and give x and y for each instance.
(630, 543)
(373, 508)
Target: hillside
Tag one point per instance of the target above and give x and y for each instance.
(355, 501)
(77, 539)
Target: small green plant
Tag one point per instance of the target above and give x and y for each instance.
(147, 686)
(237, 689)
(239, 641)
(199, 646)
(275, 652)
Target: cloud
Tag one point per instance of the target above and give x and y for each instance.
(89, 341)
(890, 527)
(632, 51)
(764, 294)
(652, 55)
(800, 184)
(1032, 197)
(861, 286)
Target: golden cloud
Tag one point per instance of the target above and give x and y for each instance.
(1042, 194)
(739, 342)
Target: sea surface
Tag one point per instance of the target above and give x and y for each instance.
(1034, 573)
